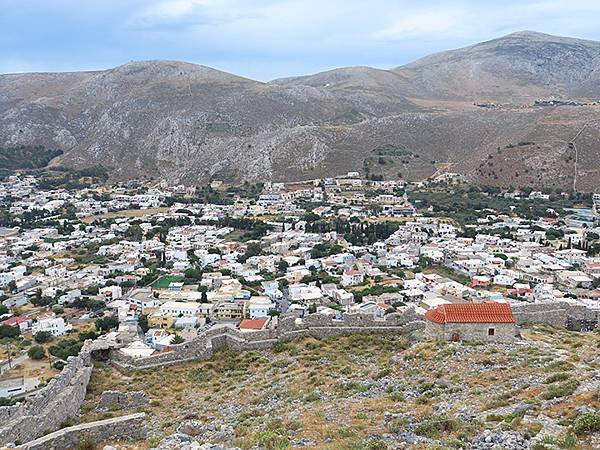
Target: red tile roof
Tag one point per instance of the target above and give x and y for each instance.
(16, 320)
(252, 324)
(471, 313)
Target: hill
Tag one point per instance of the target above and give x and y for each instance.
(372, 392)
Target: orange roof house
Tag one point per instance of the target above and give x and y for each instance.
(490, 321)
(253, 324)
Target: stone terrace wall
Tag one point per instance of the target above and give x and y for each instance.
(288, 328)
(59, 400)
(126, 427)
(552, 313)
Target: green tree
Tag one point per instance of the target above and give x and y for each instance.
(253, 249)
(36, 352)
(106, 323)
(42, 337)
(6, 331)
(177, 340)
(66, 348)
(282, 265)
(143, 322)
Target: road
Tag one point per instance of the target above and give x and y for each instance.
(16, 360)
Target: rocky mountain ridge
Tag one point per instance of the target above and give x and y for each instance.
(190, 123)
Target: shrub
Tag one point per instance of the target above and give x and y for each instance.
(42, 337)
(106, 323)
(177, 340)
(437, 425)
(560, 376)
(280, 346)
(66, 348)
(36, 352)
(7, 331)
(587, 423)
(560, 390)
(59, 365)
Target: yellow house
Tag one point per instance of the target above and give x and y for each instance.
(158, 320)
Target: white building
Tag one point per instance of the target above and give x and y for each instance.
(259, 306)
(177, 309)
(55, 325)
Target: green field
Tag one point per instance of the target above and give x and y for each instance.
(163, 282)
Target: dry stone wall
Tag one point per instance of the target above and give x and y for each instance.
(131, 427)
(551, 313)
(318, 325)
(112, 400)
(59, 400)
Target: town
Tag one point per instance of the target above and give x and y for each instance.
(147, 268)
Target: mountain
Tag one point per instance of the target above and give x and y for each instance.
(520, 65)
(190, 123)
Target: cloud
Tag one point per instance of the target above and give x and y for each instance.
(183, 15)
(265, 39)
(422, 23)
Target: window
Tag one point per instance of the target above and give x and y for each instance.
(491, 331)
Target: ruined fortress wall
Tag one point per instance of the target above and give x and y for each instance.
(126, 427)
(551, 313)
(317, 325)
(196, 349)
(59, 400)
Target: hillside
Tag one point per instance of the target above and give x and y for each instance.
(189, 123)
(371, 392)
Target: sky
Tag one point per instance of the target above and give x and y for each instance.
(267, 39)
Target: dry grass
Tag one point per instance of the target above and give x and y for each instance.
(335, 392)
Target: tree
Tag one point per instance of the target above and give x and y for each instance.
(3, 309)
(282, 265)
(42, 337)
(7, 331)
(177, 340)
(143, 322)
(253, 249)
(66, 348)
(135, 232)
(36, 352)
(106, 323)
(312, 308)
(204, 297)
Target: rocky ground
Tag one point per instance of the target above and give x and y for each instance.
(374, 392)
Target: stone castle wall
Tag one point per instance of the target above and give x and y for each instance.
(59, 400)
(551, 313)
(125, 427)
(317, 325)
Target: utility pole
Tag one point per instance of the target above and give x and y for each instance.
(8, 354)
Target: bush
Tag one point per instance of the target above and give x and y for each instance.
(587, 423)
(59, 365)
(280, 346)
(560, 376)
(66, 348)
(106, 323)
(85, 335)
(560, 390)
(438, 424)
(36, 352)
(41, 337)
(7, 331)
